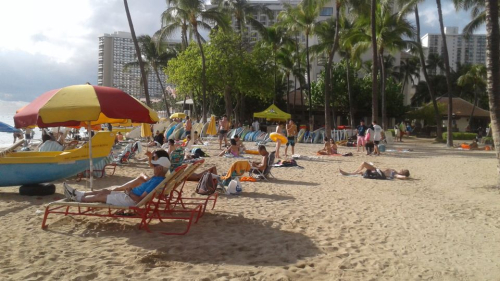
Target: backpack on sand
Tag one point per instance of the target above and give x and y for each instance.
(207, 185)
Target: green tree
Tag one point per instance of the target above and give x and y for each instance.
(390, 31)
(449, 139)
(476, 76)
(199, 18)
(154, 58)
(409, 69)
(303, 18)
(407, 7)
(138, 54)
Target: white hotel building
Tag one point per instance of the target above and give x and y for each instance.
(461, 50)
(115, 50)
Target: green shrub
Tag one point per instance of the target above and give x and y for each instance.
(487, 140)
(392, 132)
(460, 136)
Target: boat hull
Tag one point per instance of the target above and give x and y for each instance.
(30, 167)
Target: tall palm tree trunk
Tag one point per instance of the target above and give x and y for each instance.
(163, 90)
(300, 83)
(382, 89)
(288, 92)
(432, 93)
(473, 107)
(493, 71)
(349, 92)
(275, 84)
(138, 54)
(449, 142)
(374, 64)
(203, 77)
(328, 113)
(311, 123)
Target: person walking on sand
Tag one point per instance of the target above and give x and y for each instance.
(361, 131)
(223, 129)
(377, 137)
(291, 132)
(372, 172)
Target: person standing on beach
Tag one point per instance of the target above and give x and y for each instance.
(223, 129)
(291, 132)
(361, 130)
(188, 125)
(279, 130)
(377, 137)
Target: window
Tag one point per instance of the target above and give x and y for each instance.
(326, 11)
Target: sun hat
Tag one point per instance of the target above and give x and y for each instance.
(162, 161)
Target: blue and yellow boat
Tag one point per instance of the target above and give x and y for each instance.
(33, 167)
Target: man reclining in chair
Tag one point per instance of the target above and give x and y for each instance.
(131, 192)
(262, 165)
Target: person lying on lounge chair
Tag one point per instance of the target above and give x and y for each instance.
(371, 172)
(128, 194)
(261, 165)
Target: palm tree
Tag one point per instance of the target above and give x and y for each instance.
(285, 61)
(275, 37)
(198, 18)
(434, 62)
(242, 11)
(449, 142)
(476, 76)
(373, 16)
(155, 57)
(409, 69)
(408, 7)
(172, 22)
(328, 37)
(493, 69)
(138, 54)
(303, 18)
(390, 31)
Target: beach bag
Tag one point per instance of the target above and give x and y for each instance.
(207, 185)
(234, 187)
(374, 175)
(381, 147)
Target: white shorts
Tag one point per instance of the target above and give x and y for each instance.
(119, 198)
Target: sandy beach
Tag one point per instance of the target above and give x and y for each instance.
(309, 223)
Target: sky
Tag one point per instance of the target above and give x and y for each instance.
(54, 43)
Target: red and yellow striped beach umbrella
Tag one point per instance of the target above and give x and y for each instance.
(69, 106)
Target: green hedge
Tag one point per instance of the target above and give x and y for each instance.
(487, 140)
(460, 136)
(392, 132)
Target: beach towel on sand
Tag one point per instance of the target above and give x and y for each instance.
(238, 168)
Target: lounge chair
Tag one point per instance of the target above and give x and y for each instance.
(237, 169)
(142, 210)
(101, 168)
(267, 171)
(176, 197)
(176, 158)
(128, 152)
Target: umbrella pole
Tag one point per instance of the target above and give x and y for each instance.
(89, 129)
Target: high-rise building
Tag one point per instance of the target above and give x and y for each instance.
(461, 50)
(116, 50)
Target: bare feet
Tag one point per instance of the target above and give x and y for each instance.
(343, 173)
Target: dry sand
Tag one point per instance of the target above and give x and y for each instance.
(307, 224)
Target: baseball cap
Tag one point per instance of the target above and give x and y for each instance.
(162, 161)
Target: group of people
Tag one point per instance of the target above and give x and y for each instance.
(364, 137)
(290, 131)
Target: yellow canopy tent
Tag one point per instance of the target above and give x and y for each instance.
(273, 113)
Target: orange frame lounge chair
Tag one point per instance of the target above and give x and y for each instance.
(143, 210)
(176, 196)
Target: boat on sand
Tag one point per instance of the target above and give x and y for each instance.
(33, 167)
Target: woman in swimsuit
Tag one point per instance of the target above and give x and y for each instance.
(279, 130)
(333, 146)
(387, 173)
(327, 150)
(233, 149)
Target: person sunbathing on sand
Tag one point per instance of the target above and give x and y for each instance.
(327, 149)
(370, 171)
(333, 146)
(233, 149)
